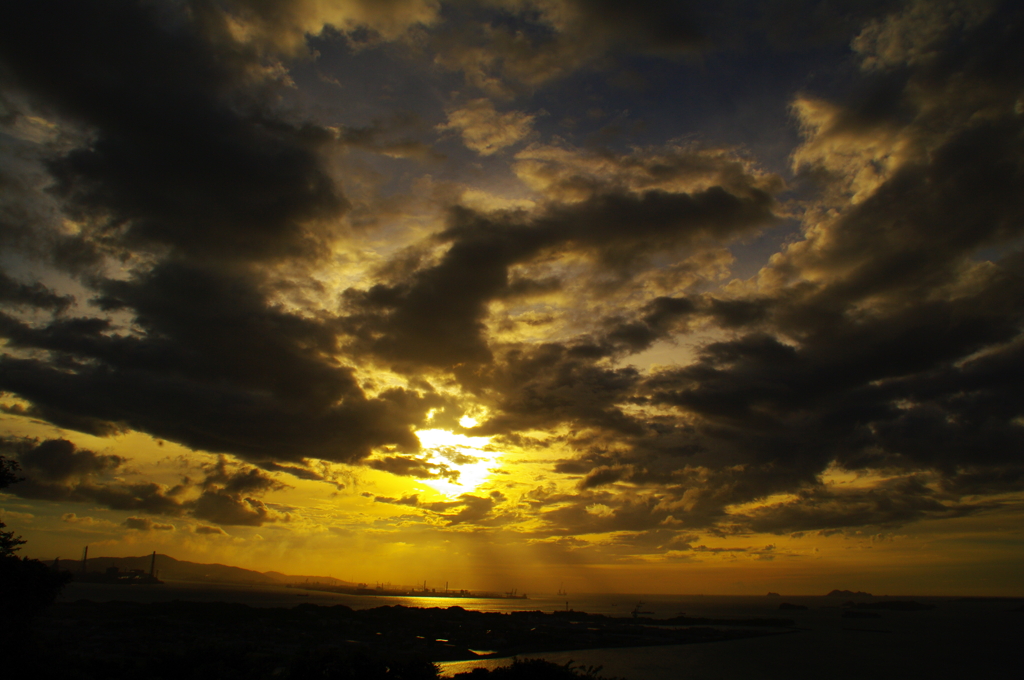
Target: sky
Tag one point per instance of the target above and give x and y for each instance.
(664, 297)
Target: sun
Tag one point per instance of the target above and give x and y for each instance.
(471, 457)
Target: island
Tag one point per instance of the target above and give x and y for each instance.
(848, 593)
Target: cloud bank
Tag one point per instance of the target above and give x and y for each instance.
(184, 260)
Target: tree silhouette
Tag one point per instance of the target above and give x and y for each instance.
(26, 586)
(9, 543)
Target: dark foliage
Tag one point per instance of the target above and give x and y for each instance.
(9, 543)
(244, 662)
(362, 665)
(222, 641)
(8, 472)
(26, 586)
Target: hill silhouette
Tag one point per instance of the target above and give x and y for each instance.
(171, 569)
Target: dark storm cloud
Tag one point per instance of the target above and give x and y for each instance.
(604, 475)
(839, 393)
(551, 384)
(891, 391)
(238, 481)
(296, 471)
(542, 386)
(230, 509)
(885, 336)
(679, 546)
(960, 418)
(218, 368)
(33, 295)
(471, 509)
(891, 504)
(420, 468)
(141, 497)
(901, 350)
(58, 460)
(179, 154)
(209, 531)
(66, 335)
(474, 510)
(656, 506)
(786, 413)
(625, 513)
(57, 470)
(436, 317)
(71, 421)
(911, 236)
(218, 417)
(665, 317)
(455, 456)
(738, 313)
(902, 302)
(412, 501)
(624, 229)
(573, 467)
(186, 159)
(653, 520)
(146, 524)
(984, 480)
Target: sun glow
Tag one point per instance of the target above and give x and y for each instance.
(470, 457)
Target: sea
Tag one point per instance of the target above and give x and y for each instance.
(960, 638)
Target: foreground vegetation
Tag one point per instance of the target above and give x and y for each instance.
(205, 662)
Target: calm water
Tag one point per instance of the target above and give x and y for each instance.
(958, 639)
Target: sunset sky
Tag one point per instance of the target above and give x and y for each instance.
(678, 297)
